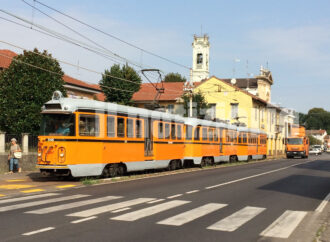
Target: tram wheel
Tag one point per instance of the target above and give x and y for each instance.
(172, 166)
(113, 170)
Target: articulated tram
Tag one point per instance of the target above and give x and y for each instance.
(92, 138)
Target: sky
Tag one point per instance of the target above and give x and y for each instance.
(291, 38)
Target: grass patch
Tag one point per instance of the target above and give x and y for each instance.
(89, 181)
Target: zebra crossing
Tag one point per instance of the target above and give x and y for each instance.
(282, 227)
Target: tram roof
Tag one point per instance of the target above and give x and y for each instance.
(70, 105)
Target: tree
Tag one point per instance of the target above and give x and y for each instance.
(314, 141)
(24, 89)
(199, 102)
(316, 118)
(174, 77)
(119, 90)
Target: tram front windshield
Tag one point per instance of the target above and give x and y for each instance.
(58, 125)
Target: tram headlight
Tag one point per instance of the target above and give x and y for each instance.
(61, 154)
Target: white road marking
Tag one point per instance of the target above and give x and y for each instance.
(156, 201)
(83, 220)
(249, 177)
(145, 212)
(194, 191)
(191, 215)
(121, 210)
(236, 220)
(17, 199)
(38, 231)
(109, 208)
(72, 205)
(325, 201)
(174, 196)
(284, 225)
(36, 203)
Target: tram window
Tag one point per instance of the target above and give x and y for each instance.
(120, 127)
(204, 133)
(129, 128)
(179, 131)
(89, 125)
(111, 126)
(210, 134)
(244, 138)
(138, 129)
(196, 133)
(167, 131)
(216, 135)
(227, 136)
(160, 130)
(173, 135)
(188, 132)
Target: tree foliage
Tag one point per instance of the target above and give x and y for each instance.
(316, 118)
(199, 103)
(117, 90)
(314, 141)
(24, 89)
(174, 77)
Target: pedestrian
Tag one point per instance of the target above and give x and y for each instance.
(14, 147)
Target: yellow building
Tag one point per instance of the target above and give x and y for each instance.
(234, 105)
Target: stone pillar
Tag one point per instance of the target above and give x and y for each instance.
(2, 142)
(25, 142)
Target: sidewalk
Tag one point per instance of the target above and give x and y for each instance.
(30, 183)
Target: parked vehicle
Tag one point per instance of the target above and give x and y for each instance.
(315, 151)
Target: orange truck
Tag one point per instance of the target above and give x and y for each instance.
(297, 144)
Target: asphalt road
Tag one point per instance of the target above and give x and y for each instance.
(260, 201)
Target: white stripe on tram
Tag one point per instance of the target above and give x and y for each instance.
(236, 220)
(109, 207)
(36, 203)
(193, 214)
(145, 212)
(72, 205)
(284, 225)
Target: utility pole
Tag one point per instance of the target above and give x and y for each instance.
(188, 88)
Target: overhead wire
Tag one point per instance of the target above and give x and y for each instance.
(56, 73)
(113, 36)
(78, 33)
(73, 65)
(60, 36)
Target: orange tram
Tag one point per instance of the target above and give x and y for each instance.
(91, 138)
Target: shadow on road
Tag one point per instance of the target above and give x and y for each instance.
(316, 187)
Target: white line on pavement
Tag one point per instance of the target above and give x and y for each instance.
(17, 199)
(193, 191)
(120, 210)
(156, 201)
(236, 220)
(72, 205)
(38, 231)
(323, 204)
(36, 203)
(83, 220)
(110, 207)
(174, 196)
(249, 177)
(145, 212)
(284, 225)
(191, 215)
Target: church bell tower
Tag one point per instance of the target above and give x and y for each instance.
(201, 57)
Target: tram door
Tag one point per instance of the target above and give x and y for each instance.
(148, 141)
(221, 141)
